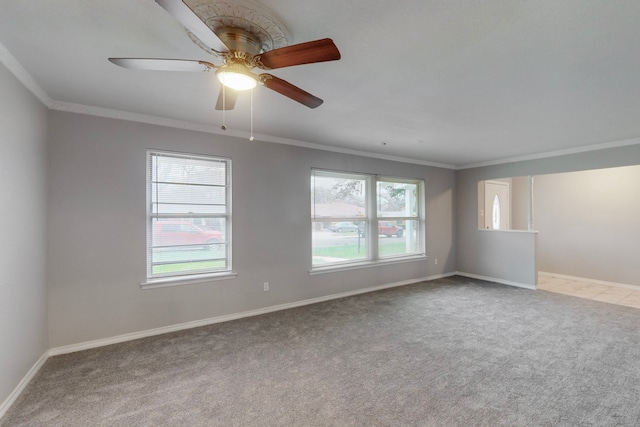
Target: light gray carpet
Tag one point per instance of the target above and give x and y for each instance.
(451, 352)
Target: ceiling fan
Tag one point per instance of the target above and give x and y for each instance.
(240, 51)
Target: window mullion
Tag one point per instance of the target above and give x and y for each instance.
(372, 205)
(338, 219)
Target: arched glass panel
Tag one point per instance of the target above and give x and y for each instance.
(496, 213)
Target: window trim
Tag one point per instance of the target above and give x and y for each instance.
(371, 220)
(332, 268)
(167, 281)
(187, 277)
(420, 218)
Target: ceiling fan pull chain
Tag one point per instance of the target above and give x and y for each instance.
(224, 107)
(251, 137)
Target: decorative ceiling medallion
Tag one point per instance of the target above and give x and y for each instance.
(245, 14)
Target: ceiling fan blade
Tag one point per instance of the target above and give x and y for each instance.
(163, 64)
(285, 88)
(226, 100)
(188, 18)
(303, 53)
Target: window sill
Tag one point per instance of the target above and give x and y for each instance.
(366, 264)
(165, 282)
(508, 230)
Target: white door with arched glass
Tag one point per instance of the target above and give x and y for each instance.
(497, 211)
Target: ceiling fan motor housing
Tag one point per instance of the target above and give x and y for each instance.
(239, 40)
(229, 16)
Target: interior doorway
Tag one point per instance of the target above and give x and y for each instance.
(497, 212)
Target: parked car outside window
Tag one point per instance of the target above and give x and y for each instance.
(185, 233)
(386, 228)
(340, 227)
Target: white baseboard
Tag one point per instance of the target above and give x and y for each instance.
(188, 325)
(494, 279)
(586, 279)
(219, 319)
(4, 407)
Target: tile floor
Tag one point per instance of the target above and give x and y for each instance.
(595, 291)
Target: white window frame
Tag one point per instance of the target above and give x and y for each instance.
(189, 276)
(419, 218)
(371, 220)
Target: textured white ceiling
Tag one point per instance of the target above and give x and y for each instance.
(451, 82)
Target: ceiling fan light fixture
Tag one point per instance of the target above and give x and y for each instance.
(236, 78)
(243, 40)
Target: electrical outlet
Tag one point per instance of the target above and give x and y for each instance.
(436, 261)
(266, 286)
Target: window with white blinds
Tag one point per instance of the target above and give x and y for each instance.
(189, 215)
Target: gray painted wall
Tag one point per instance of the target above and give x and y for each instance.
(589, 223)
(471, 243)
(97, 228)
(520, 203)
(23, 191)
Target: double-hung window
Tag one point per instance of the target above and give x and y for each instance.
(399, 213)
(188, 215)
(340, 217)
(360, 218)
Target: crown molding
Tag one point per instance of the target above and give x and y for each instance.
(556, 153)
(200, 127)
(12, 64)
